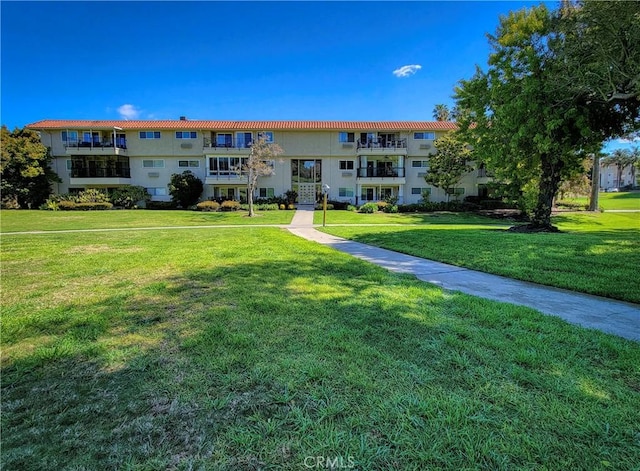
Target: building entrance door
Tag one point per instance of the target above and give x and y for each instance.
(307, 193)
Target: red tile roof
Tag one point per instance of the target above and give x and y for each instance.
(244, 125)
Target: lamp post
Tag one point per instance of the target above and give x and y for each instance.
(325, 190)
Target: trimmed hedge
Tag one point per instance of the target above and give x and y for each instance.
(230, 205)
(208, 206)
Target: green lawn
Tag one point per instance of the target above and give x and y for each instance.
(597, 253)
(250, 349)
(612, 201)
(35, 220)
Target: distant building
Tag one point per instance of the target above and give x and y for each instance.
(360, 161)
(612, 176)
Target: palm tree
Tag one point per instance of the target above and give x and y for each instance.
(441, 113)
(621, 158)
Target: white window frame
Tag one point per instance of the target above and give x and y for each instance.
(346, 192)
(459, 191)
(421, 191)
(69, 164)
(266, 192)
(424, 136)
(189, 163)
(346, 137)
(69, 136)
(347, 164)
(157, 191)
(150, 135)
(419, 164)
(155, 163)
(186, 135)
(268, 135)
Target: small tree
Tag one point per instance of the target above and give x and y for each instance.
(185, 188)
(25, 169)
(259, 164)
(449, 163)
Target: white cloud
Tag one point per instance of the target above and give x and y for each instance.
(623, 140)
(128, 111)
(407, 70)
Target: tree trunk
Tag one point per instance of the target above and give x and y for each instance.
(549, 183)
(595, 183)
(251, 185)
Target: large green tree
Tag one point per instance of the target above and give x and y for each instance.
(449, 163)
(185, 188)
(526, 119)
(25, 170)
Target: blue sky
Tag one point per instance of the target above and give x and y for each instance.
(239, 60)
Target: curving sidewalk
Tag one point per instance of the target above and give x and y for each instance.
(611, 316)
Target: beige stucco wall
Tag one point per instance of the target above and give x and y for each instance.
(322, 145)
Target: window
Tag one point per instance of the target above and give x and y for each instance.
(223, 139)
(153, 163)
(149, 134)
(420, 163)
(455, 191)
(69, 164)
(243, 139)
(69, 136)
(226, 165)
(186, 135)
(159, 191)
(267, 135)
(266, 192)
(345, 192)
(346, 165)
(420, 191)
(346, 137)
(420, 136)
(188, 163)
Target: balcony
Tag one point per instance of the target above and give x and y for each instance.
(382, 146)
(382, 174)
(225, 178)
(100, 170)
(227, 145)
(96, 148)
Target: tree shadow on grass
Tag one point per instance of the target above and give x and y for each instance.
(260, 365)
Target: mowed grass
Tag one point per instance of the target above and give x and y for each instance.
(35, 220)
(245, 349)
(614, 201)
(597, 253)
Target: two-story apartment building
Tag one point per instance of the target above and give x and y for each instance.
(360, 161)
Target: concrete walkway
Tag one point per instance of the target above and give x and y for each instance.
(615, 317)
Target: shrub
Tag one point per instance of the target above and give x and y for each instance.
(291, 196)
(368, 208)
(208, 206)
(351, 208)
(283, 206)
(339, 204)
(66, 205)
(92, 195)
(321, 207)
(391, 208)
(95, 206)
(161, 205)
(381, 205)
(291, 206)
(230, 205)
(128, 196)
(185, 188)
